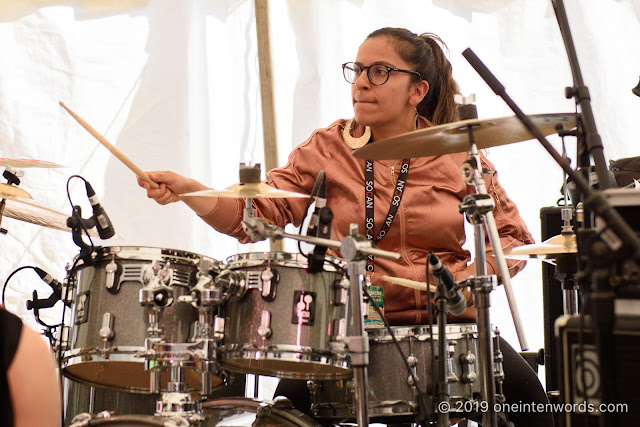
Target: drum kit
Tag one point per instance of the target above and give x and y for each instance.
(147, 322)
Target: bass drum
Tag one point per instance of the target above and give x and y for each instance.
(80, 399)
(251, 412)
(219, 412)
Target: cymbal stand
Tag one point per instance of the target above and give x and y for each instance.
(13, 178)
(566, 264)
(478, 210)
(442, 390)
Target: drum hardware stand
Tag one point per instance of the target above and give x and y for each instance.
(205, 297)
(442, 391)
(155, 295)
(498, 357)
(566, 265)
(478, 209)
(617, 238)
(13, 178)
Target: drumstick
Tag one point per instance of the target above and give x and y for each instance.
(124, 159)
(421, 286)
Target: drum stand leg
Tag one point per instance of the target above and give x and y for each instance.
(478, 209)
(442, 303)
(177, 400)
(359, 343)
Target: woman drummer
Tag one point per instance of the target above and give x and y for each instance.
(400, 82)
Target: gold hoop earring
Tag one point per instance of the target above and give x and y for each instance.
(417, 118)
(352, 142)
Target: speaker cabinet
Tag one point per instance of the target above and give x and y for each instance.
(581, 372)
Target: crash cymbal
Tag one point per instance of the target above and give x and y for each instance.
(562, 244)
(29, 211)
(28, 163)
(248, 190)
(454, 137)
(421, 286)
(7, 191)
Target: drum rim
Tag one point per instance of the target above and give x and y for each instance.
(133, 252)
(286, 353)
(421, 332)
(286, 259)
(292, 414)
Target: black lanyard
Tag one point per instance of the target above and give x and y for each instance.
(369, 196)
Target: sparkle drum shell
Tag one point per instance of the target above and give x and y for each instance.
(289, 323)
(109, 325)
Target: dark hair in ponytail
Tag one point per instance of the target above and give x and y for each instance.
(426, 55)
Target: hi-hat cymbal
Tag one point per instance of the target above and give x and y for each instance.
(28, 163)
(34, 213)
(251, 190)
(7, 191)
(421, 286)
(454, 137)
(562, 244)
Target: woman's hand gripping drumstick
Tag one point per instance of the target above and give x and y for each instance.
(124, 159)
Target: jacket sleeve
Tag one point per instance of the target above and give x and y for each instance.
(512, 230)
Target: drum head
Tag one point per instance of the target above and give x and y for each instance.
(250, 412)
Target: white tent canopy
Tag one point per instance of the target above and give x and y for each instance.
(175, 86)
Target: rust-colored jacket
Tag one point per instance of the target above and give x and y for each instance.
(428, 219)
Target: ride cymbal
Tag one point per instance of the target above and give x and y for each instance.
(454, 137)
(562, 244)
(28, 163)
(251, 190)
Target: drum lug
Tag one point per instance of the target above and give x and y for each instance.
(106, 331)
(341, 291)
(263, 410)
(218, 328)
(264, 330)
(112, 270)
(63, 340)
(269, 279)
(451, 376)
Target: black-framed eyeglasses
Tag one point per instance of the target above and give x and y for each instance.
(378, 74)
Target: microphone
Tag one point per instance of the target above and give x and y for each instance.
(53, 298)
(457, 302)
(103, 223)
(319, 226)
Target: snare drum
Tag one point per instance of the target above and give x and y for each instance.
(284, 321)
(107, 344)
(390, 395)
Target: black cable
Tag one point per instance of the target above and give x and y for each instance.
(4, 288)
(421, 394)
(6, 282)
(430, 314)
(75, 213)
(314, 193)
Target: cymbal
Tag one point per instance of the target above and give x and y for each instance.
(562, 244)
(248, 190)
(421, 286)
(29, 211)
(28, 163)
(454, 137)
(7, 191)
